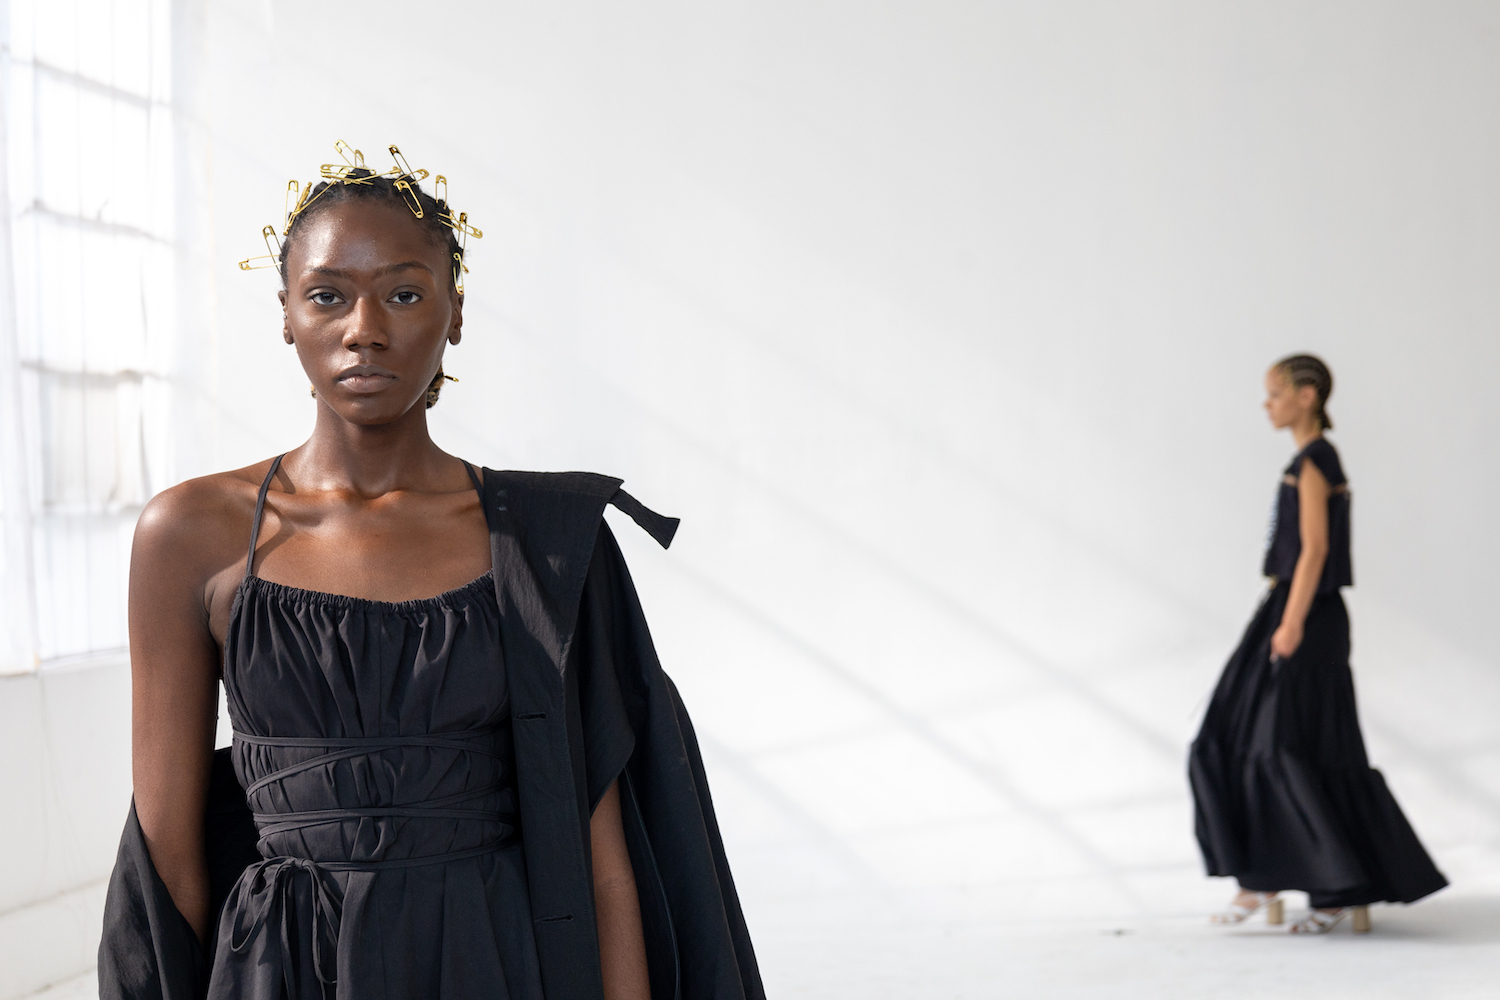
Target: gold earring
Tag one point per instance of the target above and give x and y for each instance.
(312, 390)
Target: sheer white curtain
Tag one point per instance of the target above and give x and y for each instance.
(89, 234)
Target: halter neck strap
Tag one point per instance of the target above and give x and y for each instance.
(474, 478)
(260, 507)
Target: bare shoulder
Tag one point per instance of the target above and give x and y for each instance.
(199, 524)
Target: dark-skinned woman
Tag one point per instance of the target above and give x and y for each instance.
(1285, 796)
(458, 769)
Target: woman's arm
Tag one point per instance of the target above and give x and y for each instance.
(622, 942)
(1312, 498)
(174, 695)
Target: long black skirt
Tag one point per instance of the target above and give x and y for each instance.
(1285, 797)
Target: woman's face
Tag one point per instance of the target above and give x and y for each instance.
(1285, 403)
(369, 305)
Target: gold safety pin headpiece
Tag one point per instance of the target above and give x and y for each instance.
(299, 197)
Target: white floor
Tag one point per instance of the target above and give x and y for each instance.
(1448, 948)
(84, 987)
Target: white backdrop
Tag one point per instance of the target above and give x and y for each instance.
(942, 327)
(1045, 249)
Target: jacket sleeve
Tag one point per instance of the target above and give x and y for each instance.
(148, 950)
(595, 672)
(635, 727)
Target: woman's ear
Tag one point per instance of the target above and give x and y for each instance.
(286, 324)
(456, 328)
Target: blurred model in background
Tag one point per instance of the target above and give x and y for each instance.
(458, 769)
(1285, 796)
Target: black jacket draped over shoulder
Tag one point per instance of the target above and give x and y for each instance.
(589, 704)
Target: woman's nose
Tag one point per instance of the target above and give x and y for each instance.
(365, 325)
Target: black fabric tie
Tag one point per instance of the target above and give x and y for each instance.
(272, 891)
(658, 526)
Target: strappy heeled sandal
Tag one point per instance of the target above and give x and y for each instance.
(1323, 921)
(1319, 921)
(1239, 912)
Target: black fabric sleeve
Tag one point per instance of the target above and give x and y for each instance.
(695, 929)
(595, 671)
(148, 950)
(1326, 457)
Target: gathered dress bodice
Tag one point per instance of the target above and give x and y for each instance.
(370, 732)
(373, 743)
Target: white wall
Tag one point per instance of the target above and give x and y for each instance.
(65, 776)
(942, 326)
(1044, 248)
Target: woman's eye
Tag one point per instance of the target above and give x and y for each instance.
(406, 298)
(324, 298)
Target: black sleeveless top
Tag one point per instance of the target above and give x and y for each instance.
(373, 741)
(1284, 544)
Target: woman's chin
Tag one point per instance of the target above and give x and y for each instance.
(373, 412)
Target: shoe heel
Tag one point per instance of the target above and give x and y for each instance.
(1275, 912)
(1361, 918)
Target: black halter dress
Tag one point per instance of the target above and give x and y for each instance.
(1285, 797)
(373, 743)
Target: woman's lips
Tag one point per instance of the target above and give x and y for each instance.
(366, 383)
(365, 378)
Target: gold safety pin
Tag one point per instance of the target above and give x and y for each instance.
(468, 230)
(272, 244)
(401, 164)
(305, 199)
(346, 175)
(308, 190)
(459, 223)
(290, 205)
(409, 193)
(396, 172)
(344, 149)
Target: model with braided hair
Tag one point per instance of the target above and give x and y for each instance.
(1285, 796)
(458, 769)
(361, 185)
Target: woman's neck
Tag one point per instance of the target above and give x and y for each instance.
(1305, 432)
(371, 461)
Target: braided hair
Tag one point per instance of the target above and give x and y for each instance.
(372, 187)
(1308, 369)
